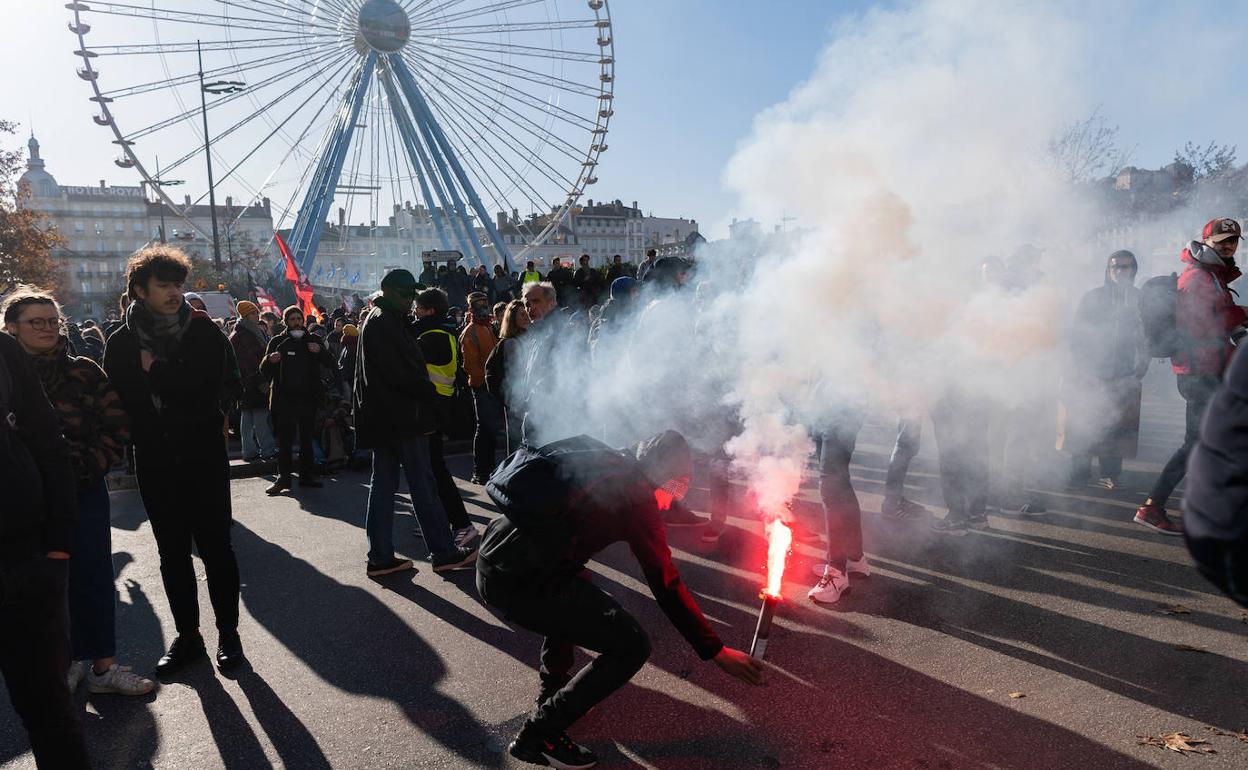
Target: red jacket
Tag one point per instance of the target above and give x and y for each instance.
(1205, 312)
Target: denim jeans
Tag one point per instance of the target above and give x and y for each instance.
(909, 434)
(255, 432)
(412, 453)
(92, 596)
(1197, 390)
(842, 514)
(485, 440)
(34, 656)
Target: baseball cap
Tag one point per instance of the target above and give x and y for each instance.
(400, 279)
(1220, 229)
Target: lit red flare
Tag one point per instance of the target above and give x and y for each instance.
(779, 538)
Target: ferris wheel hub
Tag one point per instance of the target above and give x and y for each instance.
(383, 26)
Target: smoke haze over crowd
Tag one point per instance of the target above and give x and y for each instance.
(915, 151)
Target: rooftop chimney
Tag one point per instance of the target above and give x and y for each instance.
(187, 199)
(342, 217)
(102, 185)
(502, 220)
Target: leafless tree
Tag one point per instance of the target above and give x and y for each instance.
(1087, 150)
(1208, 162)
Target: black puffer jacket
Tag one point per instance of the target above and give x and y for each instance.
(393, 396)
(39, 507)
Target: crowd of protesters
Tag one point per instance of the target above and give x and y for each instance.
(478, 353)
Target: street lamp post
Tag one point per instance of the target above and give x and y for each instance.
(158, 182)
(217, 87)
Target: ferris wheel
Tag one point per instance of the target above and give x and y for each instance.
(452, 111)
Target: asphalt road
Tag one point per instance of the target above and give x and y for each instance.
(914, 668)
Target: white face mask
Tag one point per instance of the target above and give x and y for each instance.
(296, 333)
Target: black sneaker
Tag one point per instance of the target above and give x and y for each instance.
(230, 652)
(680, 516)
(977, 521)
(183, 650)
(902, 509)
(310, 480)
(282, 484)
(559, 752)
(951, 525)
(390, 566)
(454, 559)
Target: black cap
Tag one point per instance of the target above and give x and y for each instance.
(399, 279)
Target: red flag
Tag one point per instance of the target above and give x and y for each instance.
(292, 272)
(303, 288)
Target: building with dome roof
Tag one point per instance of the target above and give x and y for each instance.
(104, 224)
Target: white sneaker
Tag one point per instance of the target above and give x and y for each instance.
(119, 680)
(832, 584)
(77, 672)
(860, 568)
(465, 536)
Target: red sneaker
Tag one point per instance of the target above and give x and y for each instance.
(1154, 517)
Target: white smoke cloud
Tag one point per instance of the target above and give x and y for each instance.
(914, 151)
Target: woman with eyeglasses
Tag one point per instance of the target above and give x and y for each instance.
(97, 429)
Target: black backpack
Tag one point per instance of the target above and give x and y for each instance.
(1158, 297)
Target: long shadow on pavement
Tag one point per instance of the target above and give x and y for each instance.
(356, 643)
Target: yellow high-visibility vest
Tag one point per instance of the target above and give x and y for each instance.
(531, 276)
(443, 376)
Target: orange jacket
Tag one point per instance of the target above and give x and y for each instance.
(477, 341)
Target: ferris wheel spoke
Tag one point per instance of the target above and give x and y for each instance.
(261, 111)
(141, 49)
(479, 171)
(270, 24)
(503, 27)
(471, 13)
(449, 109)
(245, 66)
(230, 173)
(514, 49)
(229, 98)
(477, 74)
(520, 120)
(532, 76)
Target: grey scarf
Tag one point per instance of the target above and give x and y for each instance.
(158, 333)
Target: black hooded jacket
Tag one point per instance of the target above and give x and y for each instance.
(566, 501)
(1107, 339)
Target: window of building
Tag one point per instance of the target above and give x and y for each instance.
(119, 226)
(79, 226)
(138, 226)
(101, 266)
(100, 245)
(86, 287)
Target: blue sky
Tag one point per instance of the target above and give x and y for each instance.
(691, 76)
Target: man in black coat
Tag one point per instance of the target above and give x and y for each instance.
(293, 361)
(394, 415)
(36, 536)
(561, 505)
(170, 364)
(562, 279)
